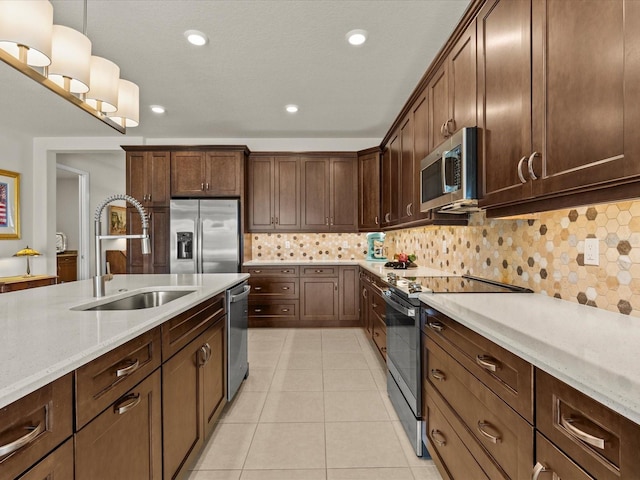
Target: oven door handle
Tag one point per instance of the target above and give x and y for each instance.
(408, 312)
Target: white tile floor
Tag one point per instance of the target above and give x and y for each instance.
(313, 408)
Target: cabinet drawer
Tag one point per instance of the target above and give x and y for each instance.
(380, 336)
(379, 307)
(553, 462)
(58, 465)
(180, 330)
(604, 443)
(280, 308)
(273, 287)
(446, 447)
(506, 374)
(105, 379)
(322, 271)
(43, 420)
(288, 271)
(506, 436)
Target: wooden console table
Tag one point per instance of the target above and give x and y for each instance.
(11, 284)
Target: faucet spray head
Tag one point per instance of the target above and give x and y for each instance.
(146, 242)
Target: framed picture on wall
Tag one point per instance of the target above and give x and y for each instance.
(117, 220)
(9, 205)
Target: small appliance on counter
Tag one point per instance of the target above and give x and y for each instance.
(375, 247)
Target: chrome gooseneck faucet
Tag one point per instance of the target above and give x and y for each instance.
(100, 277)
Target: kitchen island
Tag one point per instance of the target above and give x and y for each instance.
(43, 338)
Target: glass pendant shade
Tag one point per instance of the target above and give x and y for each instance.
(103, 85)
(27, 23)
(70, 59)
(128, 114)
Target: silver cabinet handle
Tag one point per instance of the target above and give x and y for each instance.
(285, 288)
(376, 220)
(257, 310)
(22, 441)
(272, 221)
(285, 310)
(446, 126)
(285, 271)
(487, 362)
(387, 217)
(408, 209)
(568, 424)
(492, 438)
(438, 375)
(537, 470)
(530, 165)
(202, 186)
(207, 347)
(149, 197)
(257, 271)
(202, 354)
(438, 437)
(126, 404)
(277, 221)
(326, 220)
(123, 372)
(520, 175)
(257, 289)
(437, 326)
(207, 185)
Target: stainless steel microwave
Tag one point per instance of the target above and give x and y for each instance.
(449, 175)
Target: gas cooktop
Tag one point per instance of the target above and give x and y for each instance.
(414, 286)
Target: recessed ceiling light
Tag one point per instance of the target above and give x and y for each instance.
(196, 37)
(357, 37)
(291, 108)
(157, 109)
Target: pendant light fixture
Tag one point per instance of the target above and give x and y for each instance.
(59, 58)
(25, 30)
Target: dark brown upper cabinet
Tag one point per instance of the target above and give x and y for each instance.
(148, 176)
(207, 173)
(369, 189)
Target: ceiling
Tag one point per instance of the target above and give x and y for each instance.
(261, 55)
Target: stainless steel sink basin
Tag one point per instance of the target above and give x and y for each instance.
(139, 301)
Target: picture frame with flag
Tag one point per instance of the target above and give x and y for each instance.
(9, 205)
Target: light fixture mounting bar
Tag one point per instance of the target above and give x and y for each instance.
(44, 81)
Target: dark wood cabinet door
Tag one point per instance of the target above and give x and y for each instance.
(343, 200)
(369, 191)
(438, 106)
(188, 174)
(504, 103)
(406, 172)
(348, 298)
(158, 175)
(261, 194)
(632, 88)
(158, 260)
(214, 375)
(125, 441)
(462, 77)
(287, 193)
(319, 299)
(578, 94)
(182, 408)
(224, 174)
(148, 177)
(385, 187)
(393, 185)
(420, 112)
(314, 173)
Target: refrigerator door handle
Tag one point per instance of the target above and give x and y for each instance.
(201, 252)
(196, 247)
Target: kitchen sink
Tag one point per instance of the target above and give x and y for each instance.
(137, 301)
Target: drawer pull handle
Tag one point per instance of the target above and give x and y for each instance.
(285, 310)
(568, 424)
(257, 271)
(438, 375)
(202, 356)
(493, 438)
(257, 288)
(128, 370)
(126, 404)
(257, 310)
(437, 326)
(487, 362)
(22, 441)
(319, 271)
(438, 438)
(285, 288)
(537, 470)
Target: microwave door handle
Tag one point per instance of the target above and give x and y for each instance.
(443, 171)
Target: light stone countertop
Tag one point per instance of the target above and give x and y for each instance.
(42, 339)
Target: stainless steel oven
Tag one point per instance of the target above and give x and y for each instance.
(403, 362)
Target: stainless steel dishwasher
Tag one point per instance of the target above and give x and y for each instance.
(237, 323)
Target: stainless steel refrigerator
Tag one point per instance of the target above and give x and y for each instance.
(205, 236)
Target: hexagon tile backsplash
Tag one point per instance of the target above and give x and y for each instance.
(544, 252)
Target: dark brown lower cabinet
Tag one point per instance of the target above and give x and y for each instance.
(193, 397)
(58, 465)
(552, 463)
(124, 441)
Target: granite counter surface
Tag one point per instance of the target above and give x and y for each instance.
(43, 339)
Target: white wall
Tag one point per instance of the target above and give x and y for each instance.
(67, 211)
(16, 156)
